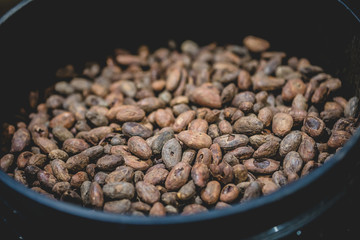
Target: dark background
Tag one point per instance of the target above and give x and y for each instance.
(340, 222)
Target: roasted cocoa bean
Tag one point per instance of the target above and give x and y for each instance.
(290, 142)
(249, 125)
(171, 153)
(195, 140)
(200, 174)
(266, 150)
(178, 176)
(109, 162)
(60, 171)
(262, 165)
(147, 192)
(229, 193)
(119, 190)
(211, 193)
(187, 191)
(20, 140)
(231, 141)
(282, 124)
(139, 147)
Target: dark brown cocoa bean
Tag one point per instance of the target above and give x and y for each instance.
(31, 172)
(240, 173)
(183, 120)
(75, 145)
(313, 126)
(147, 192)
(84, 192)
(131, 129)
(265, 115)
(228, 93)
(96, 197)
(156, 176)
(65, 119)
(244, 80)
(178, 176)
(262, 82)
(157, 210)
(252, 191)
(199, 125)
(119, 190)
(256, 44)
(60, 187)
(307, 148)
(94, 152)
(200, 174)
(61, 133)
(119, 206)
(262, 165)
(23, 159)
(229, 193)
(204, 155)
(206, 96)
(231, 141)
(266, 150)
(188, 156)
(338, 139)
(46, 145)
(139, 147)
(100, 178)
(122, 173)
(77, 163)
(213, 131)
(211, 193)
(47, 180)
(216, 153)
(308, 167)
(249, 125)
(292, 88)
(351, 108)
(19, 176)
(78, 178)
(292, 162)
(140, 206)
(150, 104)
(135, 163)
(109, 162)
(170, 198)
(282, 124)
(59, 170)
(257, 140)
(171, 153)
(225, 127)
(193, 209)
(160, 140)
(187, 191)
(290, 142)
(173, 78)
(195, 140)
(39, 160)
(242, 153)
(222, 172)
(245, 96)
(20, 140)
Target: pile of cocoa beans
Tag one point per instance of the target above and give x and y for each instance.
(179, 130)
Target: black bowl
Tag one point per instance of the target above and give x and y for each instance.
(37, 37)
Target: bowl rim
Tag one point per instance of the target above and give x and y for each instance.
(236, 209)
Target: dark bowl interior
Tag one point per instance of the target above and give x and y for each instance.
(45, 35)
